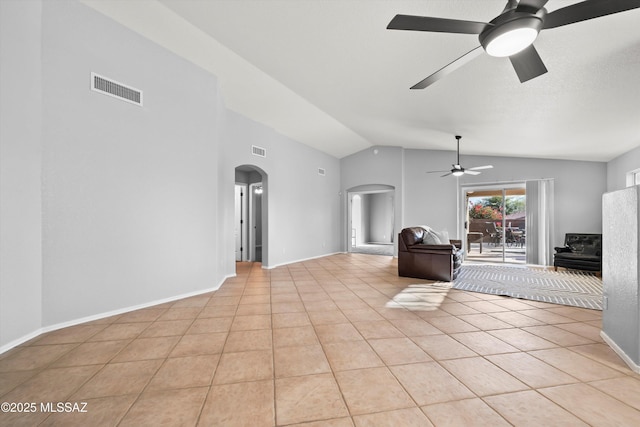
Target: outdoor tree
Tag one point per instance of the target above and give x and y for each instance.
(491, 207)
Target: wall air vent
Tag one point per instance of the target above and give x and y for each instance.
(258, 151)
(321, 171)
(117, 90)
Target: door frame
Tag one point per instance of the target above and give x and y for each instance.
(369, 189)
(243, 220)
(252, 220)
(242, 179)
(463, 211)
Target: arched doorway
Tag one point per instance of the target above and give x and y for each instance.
(371, 219)
(251, 214)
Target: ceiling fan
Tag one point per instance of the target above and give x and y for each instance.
(458, 170)
(511, 33)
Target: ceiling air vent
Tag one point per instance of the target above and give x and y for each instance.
(321, 171)
(258, 151)
(117, 90)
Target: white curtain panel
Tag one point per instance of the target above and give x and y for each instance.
(539, 224)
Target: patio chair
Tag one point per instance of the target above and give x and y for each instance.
(494, 234)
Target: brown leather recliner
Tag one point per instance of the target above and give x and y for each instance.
(427, 261)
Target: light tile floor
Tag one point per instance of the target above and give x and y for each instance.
(337, 341)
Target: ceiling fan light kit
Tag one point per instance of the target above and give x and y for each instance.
(510, 34)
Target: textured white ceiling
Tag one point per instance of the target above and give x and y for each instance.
(329, 74)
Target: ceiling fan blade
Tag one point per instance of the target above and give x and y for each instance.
(586, 10)
(511, 4)
(477, 168)
(436, 171)
(470, 172)
(449, 68)
(528, 64)
(446, 174)
(439, 25)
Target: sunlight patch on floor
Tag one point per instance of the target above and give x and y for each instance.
(420, 297)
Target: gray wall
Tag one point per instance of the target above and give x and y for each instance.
(428, 199)
(617, 169)
(246, 177)
(20, 176)
(620, 271)
(380, 217)
(365, 218)
(378, 166)
(302, 207)
(579, 187)
(130, 194)
(107, 206)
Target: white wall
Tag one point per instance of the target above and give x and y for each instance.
(621, 272)
(302, 207)
(373, 166)
(107, 206)
(431, 200)
(357, 229)
(365, 218)
(579, 187)
(130, 193)
(381, 215)
(20, 175)
(617, 169)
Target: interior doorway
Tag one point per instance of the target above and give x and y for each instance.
(255, 221)
(495, 223)
(356, 221)
(239, 223)
(250, 217)
(371, 219)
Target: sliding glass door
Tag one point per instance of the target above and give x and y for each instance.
(495, 223)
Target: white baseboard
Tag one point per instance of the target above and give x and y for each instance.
(299, 260)
(632, 365)
(22, 339)
(99, 316)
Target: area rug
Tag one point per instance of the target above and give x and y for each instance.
(572, 288)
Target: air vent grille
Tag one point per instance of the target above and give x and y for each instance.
(117, 90)
(321, 171)
(258, 151)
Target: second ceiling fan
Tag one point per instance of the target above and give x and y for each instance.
(458, 170)
(511, 33)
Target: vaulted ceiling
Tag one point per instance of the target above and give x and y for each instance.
(329, 74)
